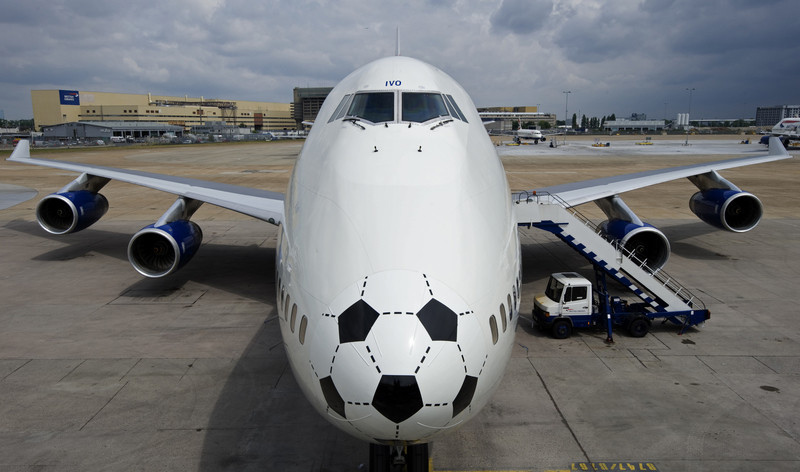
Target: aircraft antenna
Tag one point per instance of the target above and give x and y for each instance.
(397, 41)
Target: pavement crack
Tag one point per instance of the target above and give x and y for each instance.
(278, 380)
(71, 371)
(103, 407)
(18, 368)
(129, 370)
(560, 413)
(188, 368)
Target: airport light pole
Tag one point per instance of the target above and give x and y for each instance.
(689, 118)
(566, 103)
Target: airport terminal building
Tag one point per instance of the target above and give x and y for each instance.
(55, 107)
(503, 119)
(623, 124)
(770, 116)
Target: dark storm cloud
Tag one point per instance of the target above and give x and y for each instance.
(521, 16)
(621, 56)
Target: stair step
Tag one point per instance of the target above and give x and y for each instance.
(654, 287)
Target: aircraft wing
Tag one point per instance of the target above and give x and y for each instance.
(261, 204)
(577, 193)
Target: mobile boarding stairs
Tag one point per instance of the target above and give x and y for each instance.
(659, 291)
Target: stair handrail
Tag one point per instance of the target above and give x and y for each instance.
(661, 276)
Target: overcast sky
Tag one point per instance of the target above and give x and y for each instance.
(620, 56)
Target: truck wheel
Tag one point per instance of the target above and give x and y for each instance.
(639, 327)
(561, 329)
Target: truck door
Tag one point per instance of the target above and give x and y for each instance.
(576, 301)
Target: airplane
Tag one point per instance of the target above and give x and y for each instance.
(398, 261)
(520, 133)
(534, 134)
(787, 127)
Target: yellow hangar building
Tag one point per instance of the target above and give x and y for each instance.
(55, 107)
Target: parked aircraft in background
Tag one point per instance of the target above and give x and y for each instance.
(787, 127)
(398, 258)
(534, 134)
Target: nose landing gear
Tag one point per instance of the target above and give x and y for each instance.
(412, 458)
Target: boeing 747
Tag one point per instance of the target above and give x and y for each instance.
(398, 258)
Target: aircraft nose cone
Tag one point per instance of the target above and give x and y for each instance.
(397, 397)
(408, 357)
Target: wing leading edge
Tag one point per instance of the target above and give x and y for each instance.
(260, 204)
(577, 193)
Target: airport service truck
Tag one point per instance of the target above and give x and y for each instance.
(571, 302)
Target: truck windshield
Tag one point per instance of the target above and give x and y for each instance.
(376, 107)
(554, 289)
(419, 107)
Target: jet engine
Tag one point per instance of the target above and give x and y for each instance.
(168, 244)
(724, 205)
(643, 240)
(732, 210)
(68, 212)
(75, 207)
(156, 251)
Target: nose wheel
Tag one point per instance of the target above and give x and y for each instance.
(413, 458)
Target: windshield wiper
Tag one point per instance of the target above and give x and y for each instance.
(441, 123)
(355, 121)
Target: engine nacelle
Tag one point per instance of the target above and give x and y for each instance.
(68, 212)
(645, 241)
(156, 251)
(733, 210)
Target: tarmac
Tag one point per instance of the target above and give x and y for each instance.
(102, 369)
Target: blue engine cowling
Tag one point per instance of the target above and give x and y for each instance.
(68, 212)
(646, 242)
(156, 251)
(733, 210)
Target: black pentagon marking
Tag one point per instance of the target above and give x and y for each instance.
(464, 397)
(335, 401)
(356, 321)
(440, 321)
(397, 397)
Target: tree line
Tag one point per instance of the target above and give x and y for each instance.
(23, 125)
(592, 124)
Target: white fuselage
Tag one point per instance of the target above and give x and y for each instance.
(529, 133)
(787, 127)
(398, 263)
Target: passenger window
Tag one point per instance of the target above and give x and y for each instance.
(421, 107)
(376, 107)
(303, 325)
(493, 328)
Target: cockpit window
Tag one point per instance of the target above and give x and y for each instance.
(377, 107)
(419, 107)
(454, 110)
(341, 108)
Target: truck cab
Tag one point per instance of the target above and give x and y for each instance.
(570, 302)
(566, 303)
